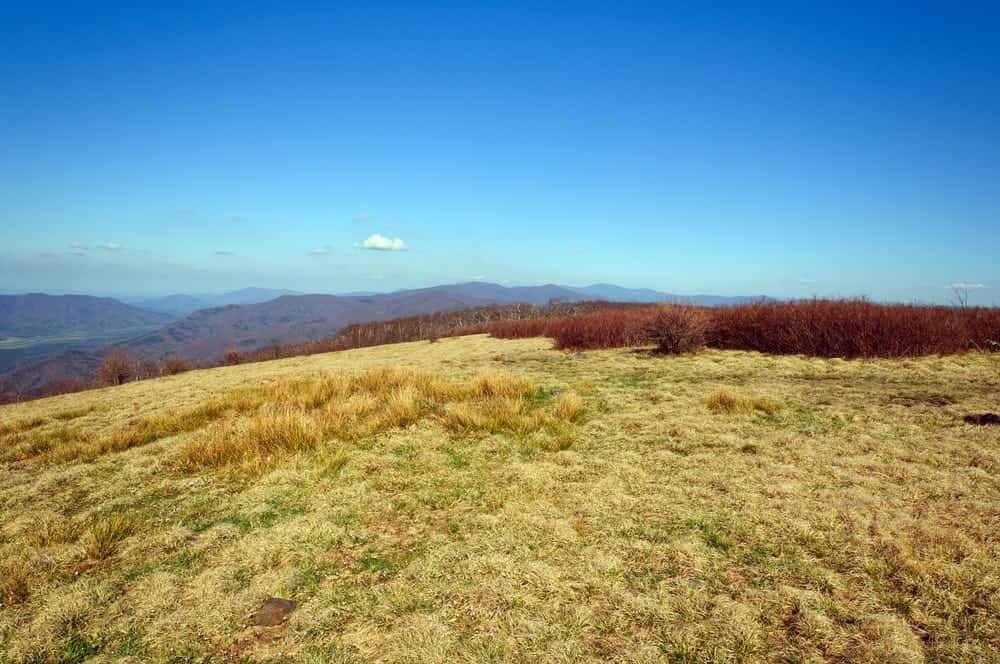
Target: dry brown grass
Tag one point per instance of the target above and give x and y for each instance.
(857, 522)
(15, 581)
(101, 538)
(726, 401)
(303, 415)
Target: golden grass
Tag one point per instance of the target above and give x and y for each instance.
(725, 401)
(15, 581)
(101, 538)
(52, 528)
(857, 522)
(298, 416)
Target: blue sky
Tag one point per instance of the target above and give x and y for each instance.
(791, 150)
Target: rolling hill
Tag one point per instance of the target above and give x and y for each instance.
(478, 499)
(206, 334)
(41, 315)
(203, 336)
(37, 327)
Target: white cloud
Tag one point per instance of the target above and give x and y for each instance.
(364, 217)
(964, 286)
(319, 251)
(381, 243)
(110, 246)
(223, 252)
(76, 245)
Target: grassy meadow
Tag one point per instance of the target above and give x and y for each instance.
(479, 499)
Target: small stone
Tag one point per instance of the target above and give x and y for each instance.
(273, 612)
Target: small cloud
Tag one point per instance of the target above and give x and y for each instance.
(479, 277)
(110, 246)
(380, 243)
(363, 217)
(961, 285)
(223, 252)
(320, 251)
(237, 219)
(76, 246)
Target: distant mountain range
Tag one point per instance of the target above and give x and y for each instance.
(37, 326)
(613, 293)
(41, 315)
(244, 320)
(181, 305)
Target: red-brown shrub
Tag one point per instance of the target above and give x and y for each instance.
(821, 328)
(677, 328)
(520, 329)
(116, 368)
(853, 328)
(606, 329)
(175, 365)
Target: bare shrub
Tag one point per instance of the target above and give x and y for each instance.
(174, 365)
(232, 357)
(116, 368)
(677, 329)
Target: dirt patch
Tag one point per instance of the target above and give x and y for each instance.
(982, 419)
(273, 612)
(910, 400)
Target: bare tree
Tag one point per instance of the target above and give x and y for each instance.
(116, 368)
(960, 295)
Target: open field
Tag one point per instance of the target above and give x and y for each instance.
(498, 500)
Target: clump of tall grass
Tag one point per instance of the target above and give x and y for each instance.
(568, 406)
(728, 402)
(15, 580)
(52, 528)
(101, 538)
(306, 415)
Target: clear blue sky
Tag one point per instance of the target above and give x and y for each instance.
(783, 150)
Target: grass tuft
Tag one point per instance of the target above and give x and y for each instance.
(101, 539)
(728, 402)
(568, 406)
(15, 581)
(50, 529)
(306, 415)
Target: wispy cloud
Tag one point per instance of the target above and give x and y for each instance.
(76, 245)
(320, 251)
(110, 246)
(964, 286)
(364, 217)
(223, 252)
(237, 219)
(381, 243)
